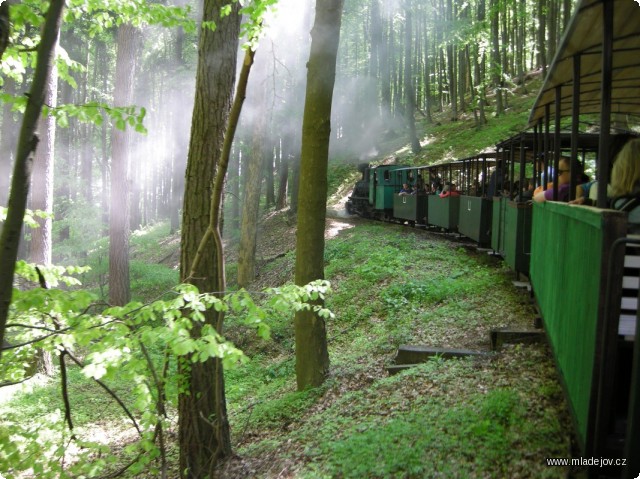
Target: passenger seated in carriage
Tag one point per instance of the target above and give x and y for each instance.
(449, 190)
(564, 179)
(587, 193)
(405, 190)
(527, 191)
(625, 183)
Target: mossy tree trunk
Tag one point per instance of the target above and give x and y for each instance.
(312, 356)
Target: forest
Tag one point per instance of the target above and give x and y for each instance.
(144, 147)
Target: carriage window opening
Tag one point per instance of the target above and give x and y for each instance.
(387, 175)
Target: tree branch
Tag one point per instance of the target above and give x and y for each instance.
(65, 394)
(109, 391)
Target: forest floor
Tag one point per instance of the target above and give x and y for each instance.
(497, 416)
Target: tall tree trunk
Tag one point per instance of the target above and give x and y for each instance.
(27, 143)
(42, 178)
(268, 170)
(178, 143)
(283, 175)
(552, 27)
(5, 26)
(294, 181)
(428, 99)
(250, 212)
(520, 22)
(9, 130)
(312, 356)
(385, 67)
(251, 197)
(42, 197)
(462, 78)
(120, 204)
(86, 129)
(135, 173)
(504, 56)
(408, 80)
(438, 55)
(479, 74)
(101, 53)
(233, 182)
(496, 68)
(542, 37)
(203, 433)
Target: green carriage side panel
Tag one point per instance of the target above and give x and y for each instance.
(444, 212)
(410, 207)
(570, 246)
(385, 184)
(497, 224)
(475, 219)
(517, 235)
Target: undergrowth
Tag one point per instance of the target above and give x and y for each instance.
(466, 418)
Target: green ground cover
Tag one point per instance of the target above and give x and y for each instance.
(496, 417)
(490, 417)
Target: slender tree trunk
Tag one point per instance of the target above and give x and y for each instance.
(294, 180)
(479, 73)
(438, 55)
(542, 37)
(103, 157)
(179, 164)
(41, 248)
(283, 176)
(428, 98)
(251, 196)
(119, 287)
(178, 146)
(268, 169)
(408, 80)
(5, 26)
(552, 27)
(27, 143)
(385, 67)
(462, 78)
(135, 189)
(312, 356)
(520, 19)
(250, 213)
(495, 57)
(87, 150)
(233, 182)
(203, 434)
(42, 178)
(9, 130)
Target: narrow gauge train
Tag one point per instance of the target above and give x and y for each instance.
(582, 263)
